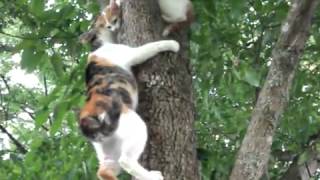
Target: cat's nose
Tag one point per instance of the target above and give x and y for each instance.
(85, 122)
(90, 123)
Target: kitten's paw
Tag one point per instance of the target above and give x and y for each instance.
(155, 175)
(175, 46)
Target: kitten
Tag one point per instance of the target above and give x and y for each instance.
(108, 118)
(179, 13)
(105, 26)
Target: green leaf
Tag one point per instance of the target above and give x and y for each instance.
(26, 43)
(57, 65)
(30, 59)
(37, 7)
(59, 114)
(42, 117)
(251, 77)
(303, 157)
(67, 11)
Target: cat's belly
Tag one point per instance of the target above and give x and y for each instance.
(112, 148)
(108, 153)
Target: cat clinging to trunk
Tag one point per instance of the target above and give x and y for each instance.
(108, 118)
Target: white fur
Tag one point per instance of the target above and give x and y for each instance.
(106, 36)
(126, 57)
(174, 10)
(125, 146)
(118, 2)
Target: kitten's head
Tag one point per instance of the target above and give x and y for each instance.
(110, 18)
(103, 28)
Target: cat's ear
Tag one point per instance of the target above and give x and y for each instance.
(114, 6)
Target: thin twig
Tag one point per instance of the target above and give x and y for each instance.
(20, 147)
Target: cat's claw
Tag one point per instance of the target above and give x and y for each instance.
(155, 175)
(166, 32)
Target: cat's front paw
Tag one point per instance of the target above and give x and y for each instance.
(155, 175)
(175, 46)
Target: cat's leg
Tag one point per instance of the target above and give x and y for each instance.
(108, 168)
(145, 52)
(133, 146)
(134, 168)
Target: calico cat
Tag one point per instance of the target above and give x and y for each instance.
(105, 26)
(108, 118)
(179, 13)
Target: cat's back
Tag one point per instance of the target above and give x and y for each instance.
(109, 79)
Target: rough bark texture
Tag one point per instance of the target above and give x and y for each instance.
(166, 101)
(254, 153)
(305, 165)
(304, 171)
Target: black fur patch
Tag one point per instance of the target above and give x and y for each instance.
(112, 73)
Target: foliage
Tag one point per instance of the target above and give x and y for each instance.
(231, 45)
(43, 118)
(231, 48)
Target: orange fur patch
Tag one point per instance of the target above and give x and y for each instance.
(90, 108)
(101, 61)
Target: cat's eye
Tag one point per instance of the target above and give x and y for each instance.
(109, 27)
(114, 21)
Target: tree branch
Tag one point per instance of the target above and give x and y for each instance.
(21, 106)
(20, 147)
(254, 153)
(35, 37)
(7, 48)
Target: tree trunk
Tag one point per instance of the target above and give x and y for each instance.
(166, 101)
(254, 153)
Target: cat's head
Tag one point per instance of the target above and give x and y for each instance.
(110, 18)
(99, 116)
(104, 26)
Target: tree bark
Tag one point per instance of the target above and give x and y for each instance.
(165, 97)
(304, 166)
(304, 171)
(254, 153)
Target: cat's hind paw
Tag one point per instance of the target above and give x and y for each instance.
(155, 175)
